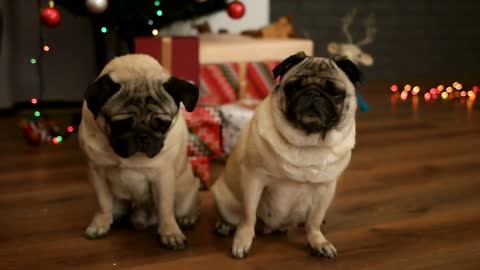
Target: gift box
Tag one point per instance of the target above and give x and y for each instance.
(235, 67)
(178, 55)
(201, 169)
(234, 117)
(204, 126)
(221, 83)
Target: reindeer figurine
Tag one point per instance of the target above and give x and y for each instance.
(352, 49)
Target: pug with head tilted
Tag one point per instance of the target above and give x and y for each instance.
(284, 169)
(135, 140)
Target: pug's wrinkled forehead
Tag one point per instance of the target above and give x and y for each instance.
(301, 66)
(137, 83)
(141, 96)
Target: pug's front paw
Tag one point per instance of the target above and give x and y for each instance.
(172, 237)
(99, 226)
(242, 242)
(323, 249)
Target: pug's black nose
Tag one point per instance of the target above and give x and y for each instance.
(313, 93)
(143, 139)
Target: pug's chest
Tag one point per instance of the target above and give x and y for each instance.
(129, 184)
(286, 204)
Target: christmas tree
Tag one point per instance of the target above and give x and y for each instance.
(117, 22)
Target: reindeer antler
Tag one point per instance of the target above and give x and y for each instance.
(369, 31)
(347, 20)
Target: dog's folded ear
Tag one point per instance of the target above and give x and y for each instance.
(288, 63)
(350, 69)
(182, 91)
(99, 92)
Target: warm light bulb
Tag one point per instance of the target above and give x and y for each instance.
(34, 101)
(416, 89)
(427, 96)
(155, 32)
(407, 87)
(46, 48)
(440, 88)
(444, 95)
(470, 93)
(404, 95)
(449, 89)
(394, 88)
(433, 91)
(458, 86)
(463, 93)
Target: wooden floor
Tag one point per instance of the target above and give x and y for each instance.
(409, 200)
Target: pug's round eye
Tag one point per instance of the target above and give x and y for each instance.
(158, 124)
(121, 125)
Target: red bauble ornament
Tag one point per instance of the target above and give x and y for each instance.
(236, 9)
(50, 16)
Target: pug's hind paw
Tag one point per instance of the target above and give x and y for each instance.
(187, 222)
(224, 229)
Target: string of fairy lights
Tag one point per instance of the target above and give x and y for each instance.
(450, 92)
(39, 128)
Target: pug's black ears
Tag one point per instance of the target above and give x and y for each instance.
(99, 92)
(350, 69)
(182, 91)
(288, 63)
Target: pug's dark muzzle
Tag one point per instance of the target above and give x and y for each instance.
(127, 144)
(314, 110)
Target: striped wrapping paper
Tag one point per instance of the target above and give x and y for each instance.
(220, 83)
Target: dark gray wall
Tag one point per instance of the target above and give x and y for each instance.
(67, 68)
(415, 39)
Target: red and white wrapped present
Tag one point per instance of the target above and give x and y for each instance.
(201, 169)
(204, 126)
(178, 55)
(234, 117)
(235, 67)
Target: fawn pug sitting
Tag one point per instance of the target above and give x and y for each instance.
(285, 165)
(135, 140)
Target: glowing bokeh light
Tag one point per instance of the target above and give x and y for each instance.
(444, 95)
(440, 88)
(70, 129)
(463, 93)
(46, 48)
(34, 101)
(394, 88)
(407, 87)
(36, 113)
(449, 89)
(404, 95)
(427, 96)
(155, 32)
(458, 86)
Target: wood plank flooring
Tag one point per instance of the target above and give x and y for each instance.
(409, 200)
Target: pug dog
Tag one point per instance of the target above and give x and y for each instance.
(284, 168)
(135, 140)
